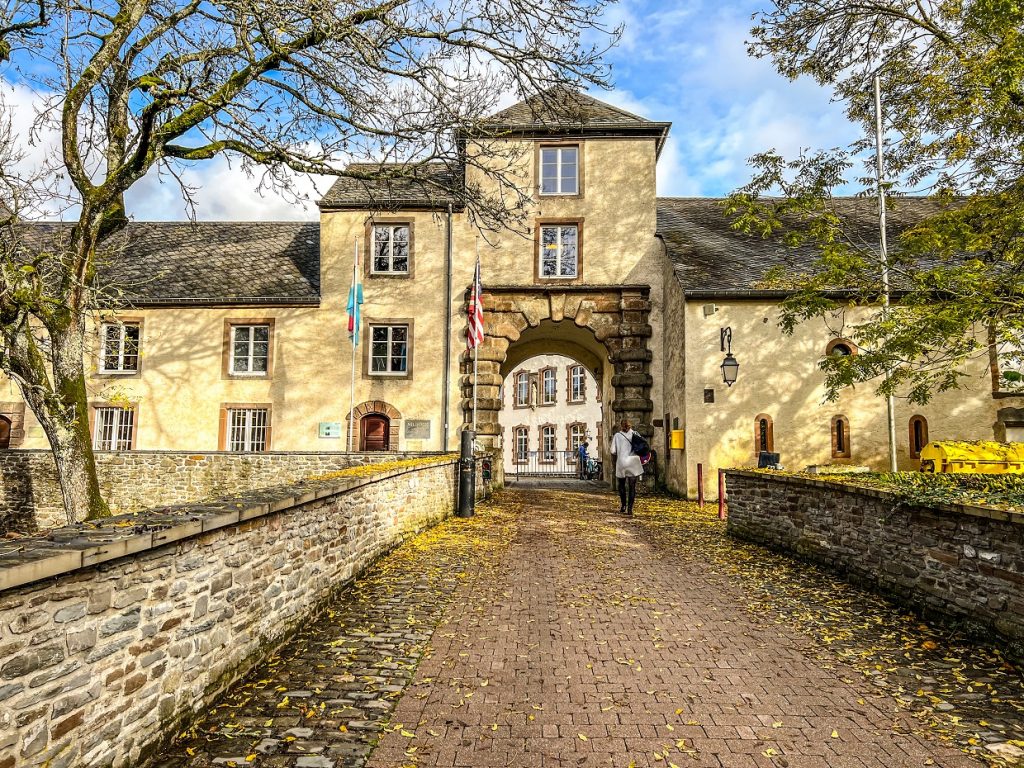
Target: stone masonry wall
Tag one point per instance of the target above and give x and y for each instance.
(102, 655)
(135, 480)
(966, 563)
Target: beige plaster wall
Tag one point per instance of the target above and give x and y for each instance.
(778, 375)
(180, 389)
(672, 351)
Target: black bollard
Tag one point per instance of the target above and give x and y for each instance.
(467, 476)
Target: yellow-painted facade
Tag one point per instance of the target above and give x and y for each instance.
(181, 388)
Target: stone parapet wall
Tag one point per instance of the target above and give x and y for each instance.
(112, 636)
(135, 480)
(961, 562)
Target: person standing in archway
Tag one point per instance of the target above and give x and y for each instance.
(628, 467)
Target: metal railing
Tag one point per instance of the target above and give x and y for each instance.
(549, 464)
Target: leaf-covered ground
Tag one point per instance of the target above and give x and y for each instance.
(963, 692)
(549, 631)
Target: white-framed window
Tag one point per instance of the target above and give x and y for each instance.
(389, 349)
(559, 250)
(522, 389)
(577, 384)
(522, 444)
(248, 429)
(550, 386)
(250, 350)
(559, 170)
(390, 249)
(547, 443)
(114, 429)
(119, 347)
(577, 434)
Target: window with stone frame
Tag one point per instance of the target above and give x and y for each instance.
(918, 435)
(522, 389)
(250, 349)
(559, 170)
(559, 251)
(549, 386)
(841, 438)
(389, 350)
(119, 347)
(247, 430)
(577, 433)
(764, 434)
(577, 384)
(113, 428)
(548, 444)
(391, 249)
(522, 444)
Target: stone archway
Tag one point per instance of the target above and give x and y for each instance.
(370, 407)
(616, 316)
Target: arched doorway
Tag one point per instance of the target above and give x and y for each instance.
(606, 329)
(375, 433)
(377, 426)
(5, 433)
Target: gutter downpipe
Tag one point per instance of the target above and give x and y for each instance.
(446, 378)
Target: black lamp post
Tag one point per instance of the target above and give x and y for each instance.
(730, 366)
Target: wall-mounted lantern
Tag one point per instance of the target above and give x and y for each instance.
(730, 366)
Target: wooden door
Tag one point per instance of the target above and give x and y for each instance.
(375, 433)
(5, 432)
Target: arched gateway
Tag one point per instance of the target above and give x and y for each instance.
(605, 328)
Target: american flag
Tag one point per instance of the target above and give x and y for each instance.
(475, 332)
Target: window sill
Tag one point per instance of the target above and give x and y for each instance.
(251, 376)
(391, 275)
(118, 374)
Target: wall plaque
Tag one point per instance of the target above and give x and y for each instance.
(417, 429)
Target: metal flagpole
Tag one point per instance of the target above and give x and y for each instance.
(890, 401)
(355, 331)
(476, 346)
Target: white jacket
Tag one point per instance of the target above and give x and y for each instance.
(627, 463)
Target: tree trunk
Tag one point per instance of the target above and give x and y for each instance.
(76, 472)
(65, 420)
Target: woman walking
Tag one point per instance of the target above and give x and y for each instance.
(628, 467)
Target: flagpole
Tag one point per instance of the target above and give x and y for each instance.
(355, 335)
(476, 347)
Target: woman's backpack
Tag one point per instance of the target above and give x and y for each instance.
(641, 447)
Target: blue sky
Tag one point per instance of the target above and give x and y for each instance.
(682, 61)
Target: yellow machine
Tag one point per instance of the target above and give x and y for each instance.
(983, 456)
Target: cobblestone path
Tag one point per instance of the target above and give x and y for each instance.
(550, 632)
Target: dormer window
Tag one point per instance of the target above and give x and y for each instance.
(559, 170)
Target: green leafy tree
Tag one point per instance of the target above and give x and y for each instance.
(134, 86)
(952, 82)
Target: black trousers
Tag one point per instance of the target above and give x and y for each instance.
(627, 492)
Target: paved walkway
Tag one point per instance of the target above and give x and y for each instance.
(569, 636)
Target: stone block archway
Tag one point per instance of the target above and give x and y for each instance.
(615, 322)
(370, 407)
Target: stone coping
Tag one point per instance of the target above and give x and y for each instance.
(972, 510)
(201, 454)
(62, 550)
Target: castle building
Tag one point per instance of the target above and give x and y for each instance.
(236, 338)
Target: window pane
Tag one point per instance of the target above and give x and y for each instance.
(261, 333)
(259, 365)
(381, 235)
(379, 364)
(401, 235)
(401, 251)
(400, 264)
(399, 332)
(241, 333)
(380, 333)
(380, 263)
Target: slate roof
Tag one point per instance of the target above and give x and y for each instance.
(708, 256)
(423, 186)
(211, 263)
(563, 110)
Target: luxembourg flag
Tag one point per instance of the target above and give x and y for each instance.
(355, 300)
